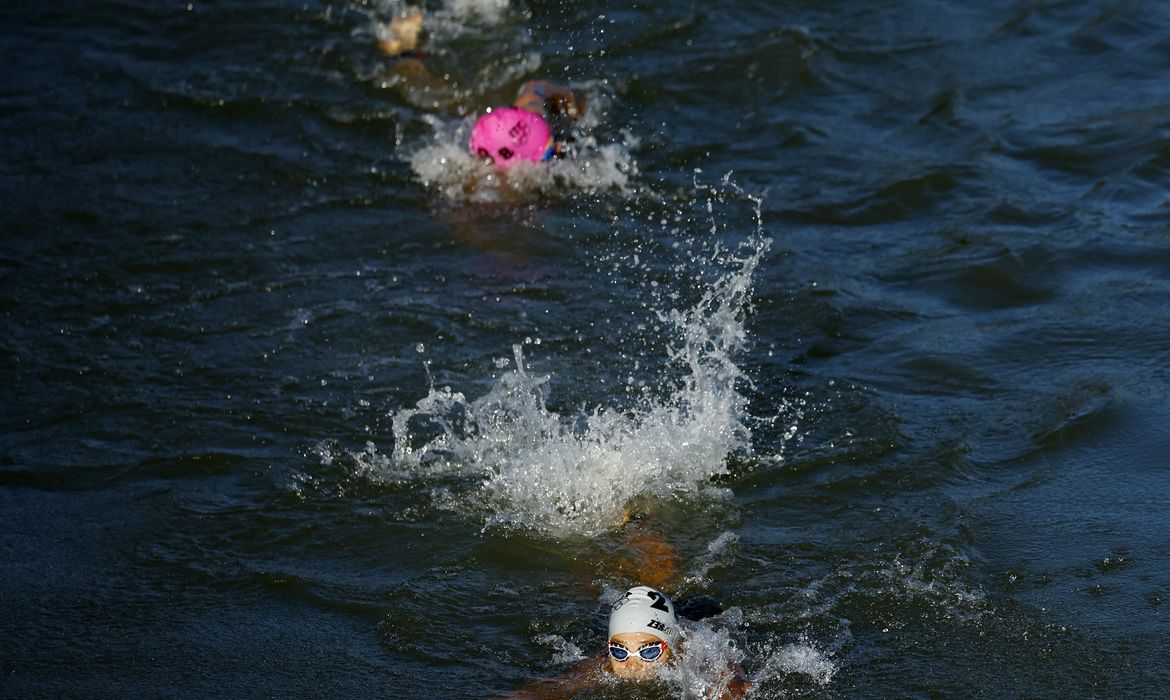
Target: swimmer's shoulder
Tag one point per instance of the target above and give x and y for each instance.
(581, 674)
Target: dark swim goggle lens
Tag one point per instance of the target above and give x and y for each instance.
(648, 652)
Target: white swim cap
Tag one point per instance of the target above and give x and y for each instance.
(643, 609)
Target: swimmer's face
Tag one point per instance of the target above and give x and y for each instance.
(634, 666)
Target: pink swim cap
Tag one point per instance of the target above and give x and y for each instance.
(507, 135)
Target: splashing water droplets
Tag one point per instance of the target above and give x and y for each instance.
(526, 466)
(803, 658)
(702, 669)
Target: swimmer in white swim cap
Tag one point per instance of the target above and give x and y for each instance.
(643, 631)
(643, 637)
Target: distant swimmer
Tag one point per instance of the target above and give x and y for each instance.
(399, 38)
(506, 135)
(643, 638)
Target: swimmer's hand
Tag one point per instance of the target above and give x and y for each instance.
(738, 685)
(566, 103)
(401, 34)
(546, 97)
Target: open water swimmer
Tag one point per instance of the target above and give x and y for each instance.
(302, 398)
(645, 636)
(504, 135)
(643, 639)
(523, 132)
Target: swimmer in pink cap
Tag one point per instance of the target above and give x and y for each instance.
(504, 136)
(508, 135)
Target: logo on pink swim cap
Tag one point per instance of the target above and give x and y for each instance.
(506, 135)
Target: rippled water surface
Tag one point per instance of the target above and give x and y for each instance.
(863, 308)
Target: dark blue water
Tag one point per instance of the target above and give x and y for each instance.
(299, 400)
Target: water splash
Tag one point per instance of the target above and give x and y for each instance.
(526, 466)
(566, 651)
(720, 552)
(707, 659)
(802, 657)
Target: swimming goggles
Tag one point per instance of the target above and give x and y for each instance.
(648, 652)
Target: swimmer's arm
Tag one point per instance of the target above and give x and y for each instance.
(580, 675)
(545, 96)
(739, 684)
(657, 562)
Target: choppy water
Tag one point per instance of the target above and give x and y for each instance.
(300, 400)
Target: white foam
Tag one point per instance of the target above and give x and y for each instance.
(522, 465)
(706, 661)
(482, 12)
(797, 658)
(485, 11)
